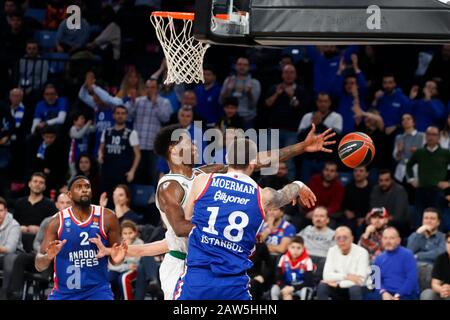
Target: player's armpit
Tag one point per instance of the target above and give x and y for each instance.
(149, 249)
(170, 196)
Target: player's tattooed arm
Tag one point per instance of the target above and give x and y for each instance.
(312, 143)
(170, 196)
(278, 198)
(50, 246)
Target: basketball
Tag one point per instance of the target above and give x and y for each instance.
(356, 149)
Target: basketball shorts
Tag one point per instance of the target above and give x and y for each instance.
(169, 272)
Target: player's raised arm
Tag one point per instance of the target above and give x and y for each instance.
(312, 143)
(50, 247)
(170, 196)
(278, 198)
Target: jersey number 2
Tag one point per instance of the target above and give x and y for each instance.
(239, 227)
(85, 241)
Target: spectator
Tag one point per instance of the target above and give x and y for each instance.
(15, 37)
(24, 262)
(397, 269)
(186, 121)
(79, 133)
(346, 269)
(87, 166)
(149, 112)
(444, 141)
(110, 37)
(122, 203)
(231, 118)
(71, 41)
(277, 232)
(6, 131)
(439, 70)
(440, 282)
(350, 90)
(102, 103)
(391, 102)
(406, 144)
(208, 94)
(294, 273)
(262, 274)
(32, 68)
(246, 89)
(432, 163)
(328, 190)
(319, 238)
(325, 60)
(377, 221)
(47, 158)
(323, 119)
(132, 85)
(119, 153)
(9, 7)
(10, 241)
(29, 211)
(356, 200)
(121, 276)
(55, 13)
(392, 196)
(428, 111)
(277, 181)
(51, 111)
(427, 243)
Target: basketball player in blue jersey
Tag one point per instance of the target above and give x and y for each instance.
(227, 211)
(173, 190)
(78, 273)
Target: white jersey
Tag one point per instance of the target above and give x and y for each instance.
(175, 243)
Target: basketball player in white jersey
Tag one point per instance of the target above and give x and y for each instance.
(173, 190)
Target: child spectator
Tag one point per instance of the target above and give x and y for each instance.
(121, 276)
(231, 118)
(79, 133)
(294, 273)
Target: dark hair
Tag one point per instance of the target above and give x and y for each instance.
(330, 163)
(32, 41)
(298, 239)
(48, 130)
(75, 179)
(127, 192)
(77, 114)
(447, 235)
(40, 175)
(120, 106)
(107, 15)
(384, 171)
(434, 210)
(412, 116)
(128, 224)
(17, 13)
(51, 86)
(3, 202)
(388, 75)
(210, 67)
(163, 140)
(94, 164)
(323, 93)
(233, 101)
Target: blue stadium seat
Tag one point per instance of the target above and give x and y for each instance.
(36, 14)
(142, 195)
(46, 39)
(57, 61)
(345, 177)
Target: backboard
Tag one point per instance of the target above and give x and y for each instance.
(294, 22)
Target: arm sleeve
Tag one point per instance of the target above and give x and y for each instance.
(102, 138)
(106, 97)
(79, 133)
(36, 121)
(328, 269)
(13, 238)
(59, 119)
(134, 139)
(305, 123)
(436, 108)
(256, 92)
(410, 282)
(164, 110)
(313, 53)
(435, 252)
(409, 166)
(415, 242)
(84, 96)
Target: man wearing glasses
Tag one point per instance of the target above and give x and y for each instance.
(345, 270)
(51, 111)
(432, 161)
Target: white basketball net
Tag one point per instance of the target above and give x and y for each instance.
(184, 54)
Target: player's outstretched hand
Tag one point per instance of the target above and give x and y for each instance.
(102, 250)
(318, 143)
(118, 252)
(54, 248)
(307, 197)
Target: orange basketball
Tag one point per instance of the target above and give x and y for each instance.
(356, 149)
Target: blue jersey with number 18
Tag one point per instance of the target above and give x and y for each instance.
(227, 217)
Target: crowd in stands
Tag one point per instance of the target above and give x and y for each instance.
(91, 102)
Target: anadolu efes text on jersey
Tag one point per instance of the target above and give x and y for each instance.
(227, 217)
(76, 267)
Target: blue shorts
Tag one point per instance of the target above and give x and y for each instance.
(202, 284)
(98, 293)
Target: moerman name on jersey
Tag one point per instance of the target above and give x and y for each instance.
(83, 258)
(222, 243)
(233, 185)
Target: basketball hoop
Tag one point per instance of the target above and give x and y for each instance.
(184, 54)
